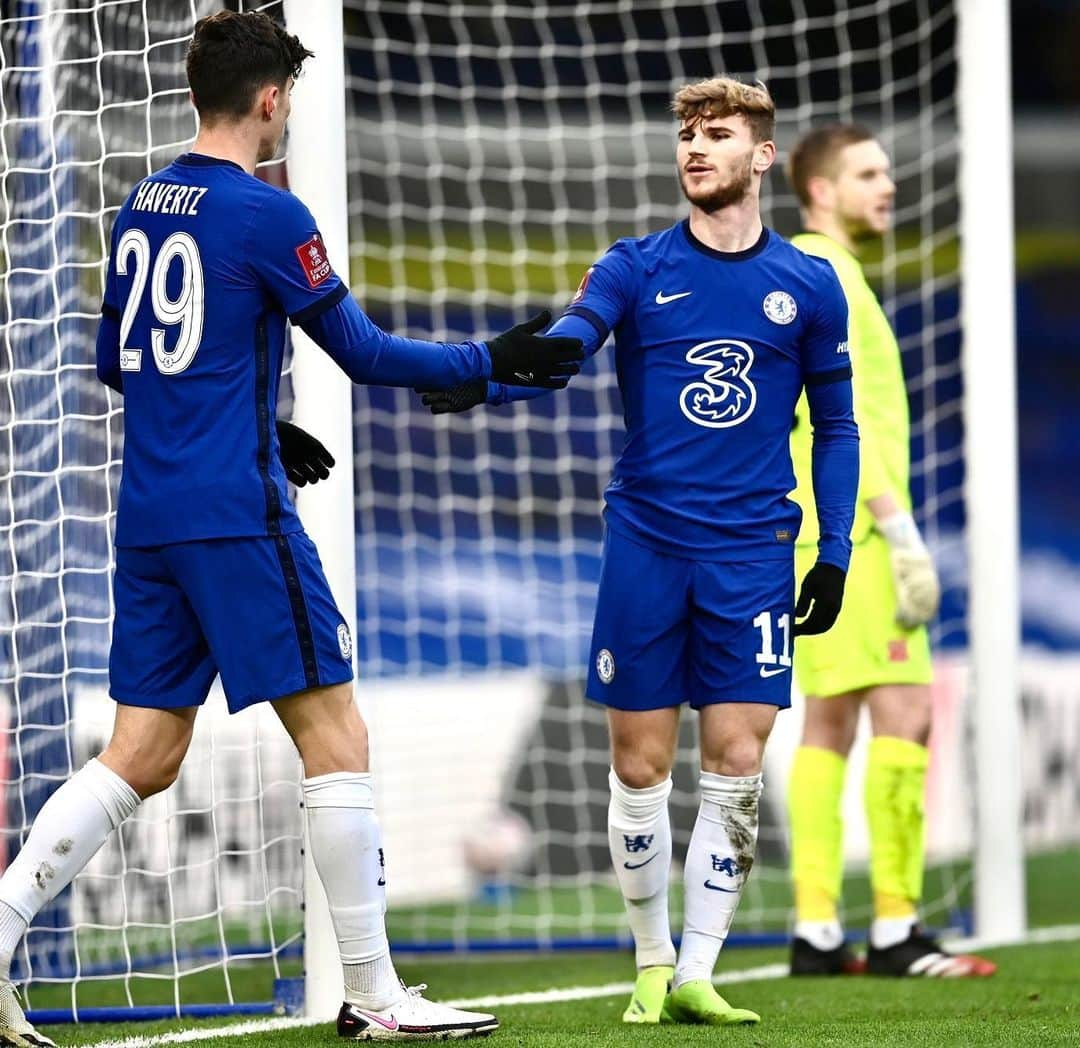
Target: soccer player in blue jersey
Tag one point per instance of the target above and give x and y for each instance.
(214, 574)
(719, 325)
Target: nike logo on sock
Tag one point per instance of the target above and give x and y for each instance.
(638, 865)
(717, 888)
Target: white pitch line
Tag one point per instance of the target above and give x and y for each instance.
(1034, 937)
(206, 1033)
(1059, 933)
(585, 993)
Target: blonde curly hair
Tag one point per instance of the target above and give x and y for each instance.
(726, 96)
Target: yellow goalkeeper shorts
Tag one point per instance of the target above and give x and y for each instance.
(866, 646)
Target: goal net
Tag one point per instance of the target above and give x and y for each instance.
(494, 151)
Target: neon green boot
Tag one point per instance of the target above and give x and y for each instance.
(698, 1002)
(649, 992)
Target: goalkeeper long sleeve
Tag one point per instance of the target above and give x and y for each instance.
(370, 355)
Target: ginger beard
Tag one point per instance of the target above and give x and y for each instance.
(711, 197)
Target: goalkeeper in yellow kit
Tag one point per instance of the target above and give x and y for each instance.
(877, 654)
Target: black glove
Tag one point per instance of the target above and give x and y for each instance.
(458, 398)
(305, 460)
(824, 585)
(520, 357)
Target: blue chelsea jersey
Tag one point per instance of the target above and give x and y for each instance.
(712, 350)
(207, 263)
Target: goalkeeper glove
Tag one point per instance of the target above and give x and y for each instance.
(824, 587)
(457, 398)
(305, 459)
(918, 591)
(521, 357)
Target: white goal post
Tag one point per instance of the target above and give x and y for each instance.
(989, 323)
(323, 395)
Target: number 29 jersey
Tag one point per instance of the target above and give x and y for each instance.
(206, 264)
(712, 350)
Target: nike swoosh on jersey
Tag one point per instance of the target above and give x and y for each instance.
(773, 673)
(661, 298)
(638, 865)
(717, 888)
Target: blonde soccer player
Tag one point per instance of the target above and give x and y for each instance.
(877, 655)
(719, 324)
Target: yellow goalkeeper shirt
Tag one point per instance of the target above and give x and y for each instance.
(881, 407)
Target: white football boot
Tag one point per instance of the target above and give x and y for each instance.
(15, 1031)
(412, 1018)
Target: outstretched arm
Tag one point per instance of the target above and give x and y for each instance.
(481, 391)
(286, 255)
(601, 300)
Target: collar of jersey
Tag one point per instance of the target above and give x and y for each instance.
(202, 160)
(727, 256)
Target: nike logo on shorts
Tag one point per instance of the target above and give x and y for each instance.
(773, 673)
(638, 865)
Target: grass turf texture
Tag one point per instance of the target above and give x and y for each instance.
(1032, 1000)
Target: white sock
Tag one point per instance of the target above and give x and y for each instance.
(344, 836)
(639, 835)
(12, 929)
(718, 862)
(888, 931)
(822, 935)
(68, 831)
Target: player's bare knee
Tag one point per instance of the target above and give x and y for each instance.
(830, 723)
(738, 757)
(639, 770)
(145, 772)
(902, 711)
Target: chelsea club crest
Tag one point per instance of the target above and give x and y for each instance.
(780, 307)
(605, 666)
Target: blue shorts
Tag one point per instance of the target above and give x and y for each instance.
(670, 630)
(256, 610)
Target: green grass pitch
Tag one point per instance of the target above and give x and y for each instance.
(1033, 1000)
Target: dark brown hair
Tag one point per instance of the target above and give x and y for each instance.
(232, 56)
(818, 153)
(726, 96)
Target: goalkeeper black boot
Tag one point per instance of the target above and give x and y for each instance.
(807, 959)
(919, 954)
